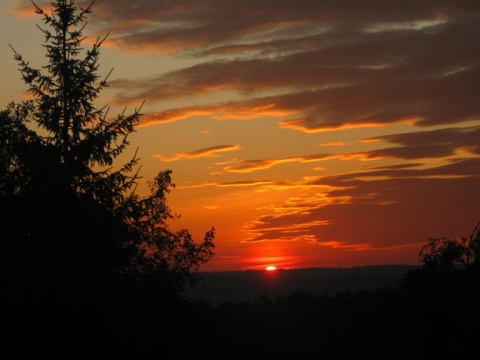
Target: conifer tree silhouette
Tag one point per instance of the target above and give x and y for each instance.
(70, 216)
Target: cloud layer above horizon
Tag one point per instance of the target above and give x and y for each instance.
(409, 67)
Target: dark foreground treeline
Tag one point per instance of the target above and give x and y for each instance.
(382, 323)
(411, 320)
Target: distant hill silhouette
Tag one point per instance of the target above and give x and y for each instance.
(240, 286)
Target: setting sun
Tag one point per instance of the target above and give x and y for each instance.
(270, 268)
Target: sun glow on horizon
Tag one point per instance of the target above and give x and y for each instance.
(271, 268)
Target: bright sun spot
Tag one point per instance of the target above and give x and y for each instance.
(270, 268)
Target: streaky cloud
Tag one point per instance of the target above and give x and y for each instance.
(206, 152)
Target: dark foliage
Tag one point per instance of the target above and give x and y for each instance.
(447, 263)
(77, 243)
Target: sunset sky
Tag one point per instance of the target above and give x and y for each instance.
(308, 133)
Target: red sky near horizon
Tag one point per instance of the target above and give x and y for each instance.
(308, 133)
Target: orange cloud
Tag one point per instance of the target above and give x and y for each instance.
(284, 237)
(238, 111)
(248, 166)
(244, 183)
(207, 152)
(211, 207)
(226, 184)
(344, 246)
(333, 143)
(303, 125)
(150, 119)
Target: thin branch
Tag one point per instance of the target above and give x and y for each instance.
(37, 9)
